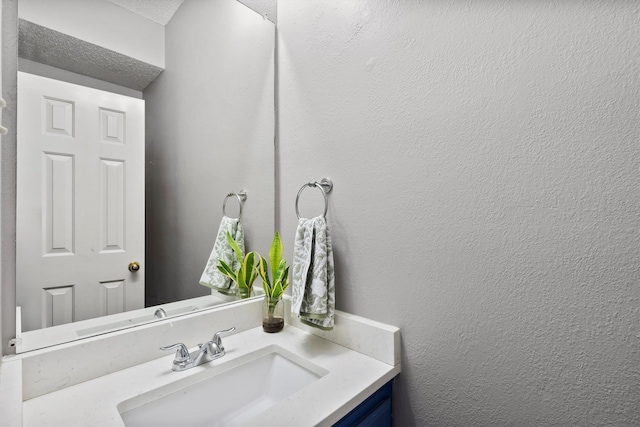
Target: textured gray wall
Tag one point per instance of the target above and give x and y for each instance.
(486, 163)
(210, 131)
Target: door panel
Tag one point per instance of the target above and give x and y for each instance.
(58, 197)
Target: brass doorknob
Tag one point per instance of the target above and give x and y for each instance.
(134, 266)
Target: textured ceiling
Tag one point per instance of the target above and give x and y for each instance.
(59, 50)
(159, 11)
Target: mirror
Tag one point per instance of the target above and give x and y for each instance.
(208, 123)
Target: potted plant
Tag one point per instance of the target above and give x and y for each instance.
(274, 286)
(246, 273)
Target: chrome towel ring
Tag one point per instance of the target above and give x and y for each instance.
(241, 196)
(325, 186)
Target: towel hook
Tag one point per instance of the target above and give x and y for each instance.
(325, 185)
(241, 196)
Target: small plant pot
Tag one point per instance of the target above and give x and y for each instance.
(272, 314)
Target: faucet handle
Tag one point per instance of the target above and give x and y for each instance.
(182, 353)
(216, 337)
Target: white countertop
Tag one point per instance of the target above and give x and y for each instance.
(351, 378)
(81, 383)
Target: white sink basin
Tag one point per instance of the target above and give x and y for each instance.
(227, 398)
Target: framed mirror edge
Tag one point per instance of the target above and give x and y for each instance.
(8, 156)
(8, 151)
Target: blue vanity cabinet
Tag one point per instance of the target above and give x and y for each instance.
(375, 411)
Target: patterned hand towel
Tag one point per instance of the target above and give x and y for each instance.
(313, 287)
(211, 277)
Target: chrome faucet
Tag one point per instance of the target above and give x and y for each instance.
(160, 313)
(205, 353)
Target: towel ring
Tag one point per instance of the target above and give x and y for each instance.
(325, 186)
(242, 196)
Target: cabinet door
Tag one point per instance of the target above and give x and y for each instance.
(375, 411)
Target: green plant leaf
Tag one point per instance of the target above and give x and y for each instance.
(249, 271)
(240, 280)
(262, 270)
(285, 279)
(277, 289)
(264, 275)
(224, 268)
(275, 254)
(235, 247)
(281, 269)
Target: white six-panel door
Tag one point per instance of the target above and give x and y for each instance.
(80, 203)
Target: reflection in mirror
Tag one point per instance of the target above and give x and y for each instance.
(182, 106)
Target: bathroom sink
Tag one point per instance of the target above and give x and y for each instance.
(227, 398)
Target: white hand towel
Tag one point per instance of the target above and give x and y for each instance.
(313, 285)
(211, 277)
